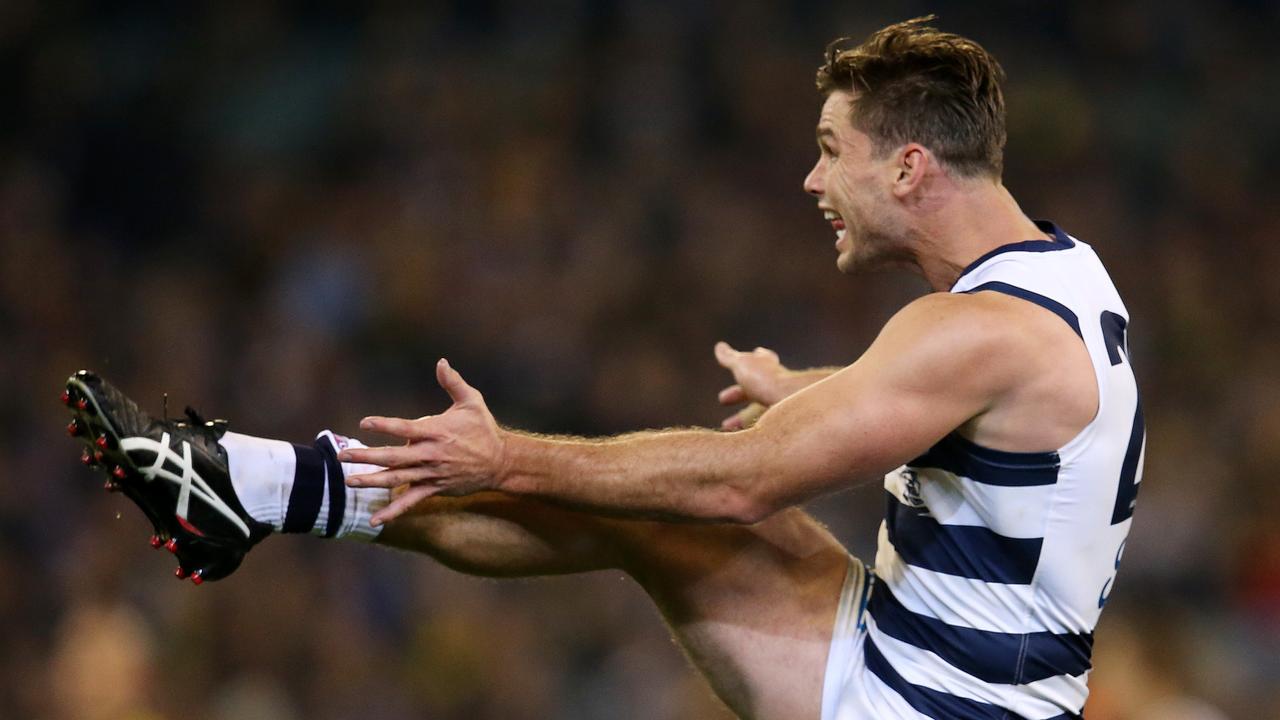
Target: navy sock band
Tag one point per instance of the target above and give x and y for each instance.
(337, 486)
(308, 491)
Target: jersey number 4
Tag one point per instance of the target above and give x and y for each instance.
(1113, 333)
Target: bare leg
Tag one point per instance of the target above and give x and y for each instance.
(752, 606)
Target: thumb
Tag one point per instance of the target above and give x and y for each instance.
(449, 379)
(726, 355)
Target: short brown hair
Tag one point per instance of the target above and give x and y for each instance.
(915, 83)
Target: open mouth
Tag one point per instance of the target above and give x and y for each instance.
(837, 223)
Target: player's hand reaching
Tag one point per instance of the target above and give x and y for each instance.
(457, 452)
(759, 380)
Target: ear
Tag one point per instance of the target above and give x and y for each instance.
(914, 163)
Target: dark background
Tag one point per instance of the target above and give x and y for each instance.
(283, 213)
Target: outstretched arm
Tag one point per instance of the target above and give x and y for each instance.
(917, 382)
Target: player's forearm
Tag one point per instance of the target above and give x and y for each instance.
(683, 474)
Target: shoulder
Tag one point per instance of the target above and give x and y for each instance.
(962, 321)
(987, 341)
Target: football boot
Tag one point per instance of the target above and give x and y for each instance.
(174, 470)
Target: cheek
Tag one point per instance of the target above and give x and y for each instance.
(852, 203)
(843, 188)
(852, 185)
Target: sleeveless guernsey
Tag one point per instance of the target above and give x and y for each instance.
(994, 566)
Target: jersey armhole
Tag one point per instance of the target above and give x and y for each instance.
(1049, 304)
(1082, 439)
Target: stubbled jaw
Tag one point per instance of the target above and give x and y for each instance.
(837, 223)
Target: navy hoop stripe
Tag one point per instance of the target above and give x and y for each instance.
(307, 493)
(337, 486)
(935, 703)
(990, 467)
(967, 551)
(994, 657)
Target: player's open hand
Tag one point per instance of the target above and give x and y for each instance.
(758, 381)
(457, 452)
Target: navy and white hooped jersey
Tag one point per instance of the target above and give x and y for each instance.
(993, 566)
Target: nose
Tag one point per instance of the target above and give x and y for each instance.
(813, 181)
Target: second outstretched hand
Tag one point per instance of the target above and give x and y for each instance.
(757, 379)
(760, 380)
(457, 452)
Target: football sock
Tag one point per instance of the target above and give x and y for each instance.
(302, 488)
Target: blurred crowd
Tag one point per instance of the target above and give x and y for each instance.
(283, 213)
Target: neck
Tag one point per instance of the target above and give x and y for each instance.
(973, 218)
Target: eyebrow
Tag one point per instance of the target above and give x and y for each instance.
(825, 132)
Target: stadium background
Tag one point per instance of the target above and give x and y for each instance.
(283, 214)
